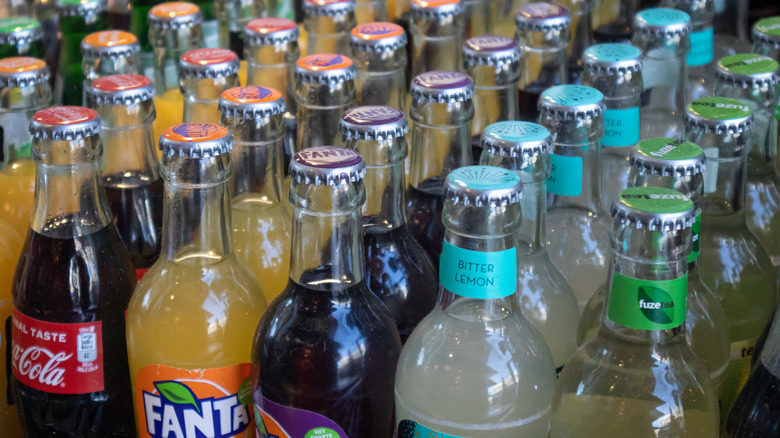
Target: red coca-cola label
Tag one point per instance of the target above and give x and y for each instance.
(57, 358)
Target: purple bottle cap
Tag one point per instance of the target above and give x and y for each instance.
(442, 87)
(542, 17)
(373, 123)
(327, 165)
(490, 50)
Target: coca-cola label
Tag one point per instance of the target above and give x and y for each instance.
(57, 358)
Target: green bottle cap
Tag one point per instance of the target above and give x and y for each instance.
(668, 157)
(483, 186)
(719, 114)
(516, 139)
(565, 101)
(767, 31)
(19, 30)
(748, 70)
(653, 209)
(663, 22)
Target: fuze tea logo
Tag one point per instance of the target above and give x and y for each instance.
(656, 305)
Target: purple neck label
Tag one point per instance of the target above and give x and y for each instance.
(372, 115)
(442, 80)
(490, 43)
(327, 157)
(544, 10)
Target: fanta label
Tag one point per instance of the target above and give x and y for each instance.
(273, 420)
(179, 403)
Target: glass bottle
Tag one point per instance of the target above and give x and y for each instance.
(616, 70)
(233, 16)
(204, 74)
(663, 36)
(106, 53)
(261, 219)
(580, 37)
(379, 51)
(325, 353)
(475, 366)
(327, 24)
(78, 18)
(752, 79)
(436, 29)
(398, 270)
(190, 316)
(678, 165)
(700, 58)
(543, 294)
(577, 231)
(131, 172)
(21, 36)
(638, 377)
(613, 20)
(543, 35)
(733, 264)
(324, 89)
(73, 282)
(441, 112)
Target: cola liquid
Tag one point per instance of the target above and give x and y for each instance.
(756, 412)
(424, 206)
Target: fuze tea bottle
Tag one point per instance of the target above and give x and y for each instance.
(106, 53)
(190, 321)
(203, 75)
(325, 353)
(638, 377)
(379, 51)
(21, 36)
(475, 366)
(72, 285)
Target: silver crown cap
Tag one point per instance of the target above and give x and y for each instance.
(70, 132)
(658, 165)
(124, 50)
(643, 220)
(252, 37)
(196, 149)
(25, 79)
(502, 194)
(88, 7)
(23, 36)
(381, 123)
(335, 166)
(329, 9)
(251, 110)
(433, 12)
(121, 97)
(516, 139)
(542, 23)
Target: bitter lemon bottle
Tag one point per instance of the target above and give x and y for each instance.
(327, 24)
(325, 353)
(543, 294)
(379, 51)
(21, 36)
(638, 377)
(106, 53)
(733, 264)
(190, 317)
(475, 366)
(577, 232)
(261, 219)
(701, 69)
(436, 28)
(203, 75)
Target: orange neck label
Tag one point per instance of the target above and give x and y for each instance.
(270, 25)
(20, 64)
(174, 9)
(110, 38)
(324, 62)
(64, 115)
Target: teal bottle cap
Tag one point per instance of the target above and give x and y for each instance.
(71, 8)
(483, 186)
(748, 70)
(767, 31)
(567, 100)
(19, 30)
(668, 157)
(663, 22)
(327, 165)
(516, 139)
(720, 115)
(492, 50)
(612, 58)
(542, 17)
(196, 140)
(653, 209)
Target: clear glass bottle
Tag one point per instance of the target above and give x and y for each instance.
(327, 24)
(580, 37)
(733, 264)
(543, 35)
(616, 70)
(663, 36)
(204, 74)
(701, 69)
(21, 36)
(441, 113)
(543, 294)
(638, 377)
(613, 20)
(324, 89)
(106, 53)
(261, 219)
(379, 51)
(233, 16)
(577, 230)
(398, 270)
(190, 317)
(476, 366)
(436, 29)
(325, 353)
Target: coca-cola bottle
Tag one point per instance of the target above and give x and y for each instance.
(72, 286)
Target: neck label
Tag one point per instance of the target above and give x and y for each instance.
(648, 304)
(477, 274)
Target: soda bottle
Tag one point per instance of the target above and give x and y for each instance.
(613, 20)
(233, 16)
(442, 387)
(324, 88)
(580, 37)
(662, 35)
(21, 36)
(106, 53)
(733, 264)
(577, 230)
(616, 70)
(261, 219)
(78, 18)
(325, 353)
(189, 321)
(131, 172)
(543, 294)
(71, 289)
(543, 35)
(10, 247)
(436, 28)
(379, 51)
(398, 270)
(638, 377)
(204, 74)
(701, 69)
(441, 112)
(327, 23)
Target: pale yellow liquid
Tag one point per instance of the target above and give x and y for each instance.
(17, 190)
(10, 246)
(169, 108)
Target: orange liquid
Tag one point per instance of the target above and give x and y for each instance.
(17, 190)
(10, 246)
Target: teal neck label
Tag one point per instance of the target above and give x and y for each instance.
(477, 274)
(648, 304)
(412, 429)
(702, 48)
(695, 229)
(565, 175)
(621, 127)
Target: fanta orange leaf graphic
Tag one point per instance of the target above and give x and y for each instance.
(177, 393)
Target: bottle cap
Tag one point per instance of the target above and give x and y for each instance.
(377, 37)
(572, 101)
(653, 209)
(72, 8)
(208, 63)
(663, 22)
(65, 123)
(483, 186)
(327, 165)
(22, 72)
(19, 30)
(767, 31)
(251, 102)
(121, 90)
(542, 17)
(748, 70)
(174, 15)
(329, 8)
(373, 123)
(611, 58)
(668, 157)
(490, 50)
(720, 115)
(196, 140)
(110, 44)
(324, 68)
(516, 139)
(442, 87)
(270, 31)
(435, 8)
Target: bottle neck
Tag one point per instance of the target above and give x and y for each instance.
(128, 144)
(258, 160)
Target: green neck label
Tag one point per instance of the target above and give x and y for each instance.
(749, 64)
(648, 304)
(477, 274)
(719, 108)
